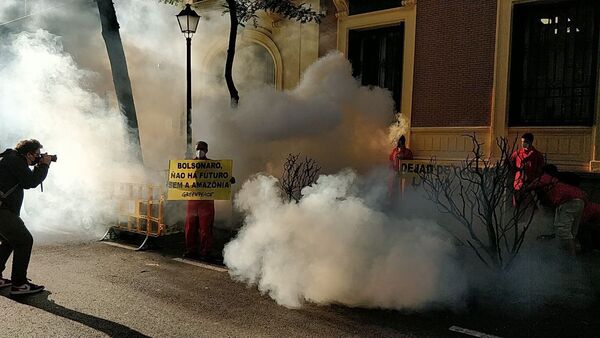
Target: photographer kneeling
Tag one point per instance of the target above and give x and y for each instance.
(15, 176)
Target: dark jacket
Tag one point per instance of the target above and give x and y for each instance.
(14, 170)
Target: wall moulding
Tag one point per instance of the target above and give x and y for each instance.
(409, 3)
(341, 7)
(567, 147)
(448, 144)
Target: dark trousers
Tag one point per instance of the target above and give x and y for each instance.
(198, 227)
(15, 238)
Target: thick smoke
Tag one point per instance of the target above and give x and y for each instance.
(332, 247)
(45, 95)
(397, 129)
(66, 72)
(313, 108)
(328, 116)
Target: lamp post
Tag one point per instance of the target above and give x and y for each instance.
(188, 22)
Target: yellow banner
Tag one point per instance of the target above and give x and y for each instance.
(199, 180)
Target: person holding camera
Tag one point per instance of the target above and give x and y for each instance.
(15, 175)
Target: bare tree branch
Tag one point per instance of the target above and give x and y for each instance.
(296, 175)
(477, 193)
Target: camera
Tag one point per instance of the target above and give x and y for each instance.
(53, 158)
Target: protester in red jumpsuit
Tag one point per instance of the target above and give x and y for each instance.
(199, 220)
(527, 162)
(399, 153)
(568, 201)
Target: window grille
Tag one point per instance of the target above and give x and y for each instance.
(554, 63)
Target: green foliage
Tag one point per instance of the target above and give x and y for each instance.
(247, 9)
(173, 2)
(243, 11)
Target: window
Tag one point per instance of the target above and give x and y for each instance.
(554, 63)
(377, 56)
(365, 6)
(253, 67)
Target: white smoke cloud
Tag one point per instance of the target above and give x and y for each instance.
(314, 106)
(331, 247)
(56, 86)
(328, 117)
(51, 103)
(398, 128)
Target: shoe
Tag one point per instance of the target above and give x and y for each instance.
(5, 282)
(25, 289)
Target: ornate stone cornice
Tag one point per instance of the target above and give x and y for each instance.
(269, 22)
(341, 7)
(408, 3)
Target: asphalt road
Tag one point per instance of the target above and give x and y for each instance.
(97, 290)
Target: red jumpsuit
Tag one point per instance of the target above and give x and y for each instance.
(199, 220)
(528, 164)
(568, 201)
(395, 157)
(556, 192)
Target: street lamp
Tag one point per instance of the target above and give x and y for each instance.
(188, 22)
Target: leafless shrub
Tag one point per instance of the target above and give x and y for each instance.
(478, 193)
(297, 174)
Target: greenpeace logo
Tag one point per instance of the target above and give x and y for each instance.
(197, 194)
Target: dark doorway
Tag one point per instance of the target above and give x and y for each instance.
(377, 56)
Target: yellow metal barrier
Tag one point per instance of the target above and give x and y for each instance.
(140, 210)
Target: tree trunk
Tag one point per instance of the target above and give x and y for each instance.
(118, 65)
(233, 92)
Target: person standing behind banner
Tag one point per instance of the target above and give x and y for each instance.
(399, 153)
(199, 220)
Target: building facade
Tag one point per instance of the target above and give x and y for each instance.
(495, 68)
